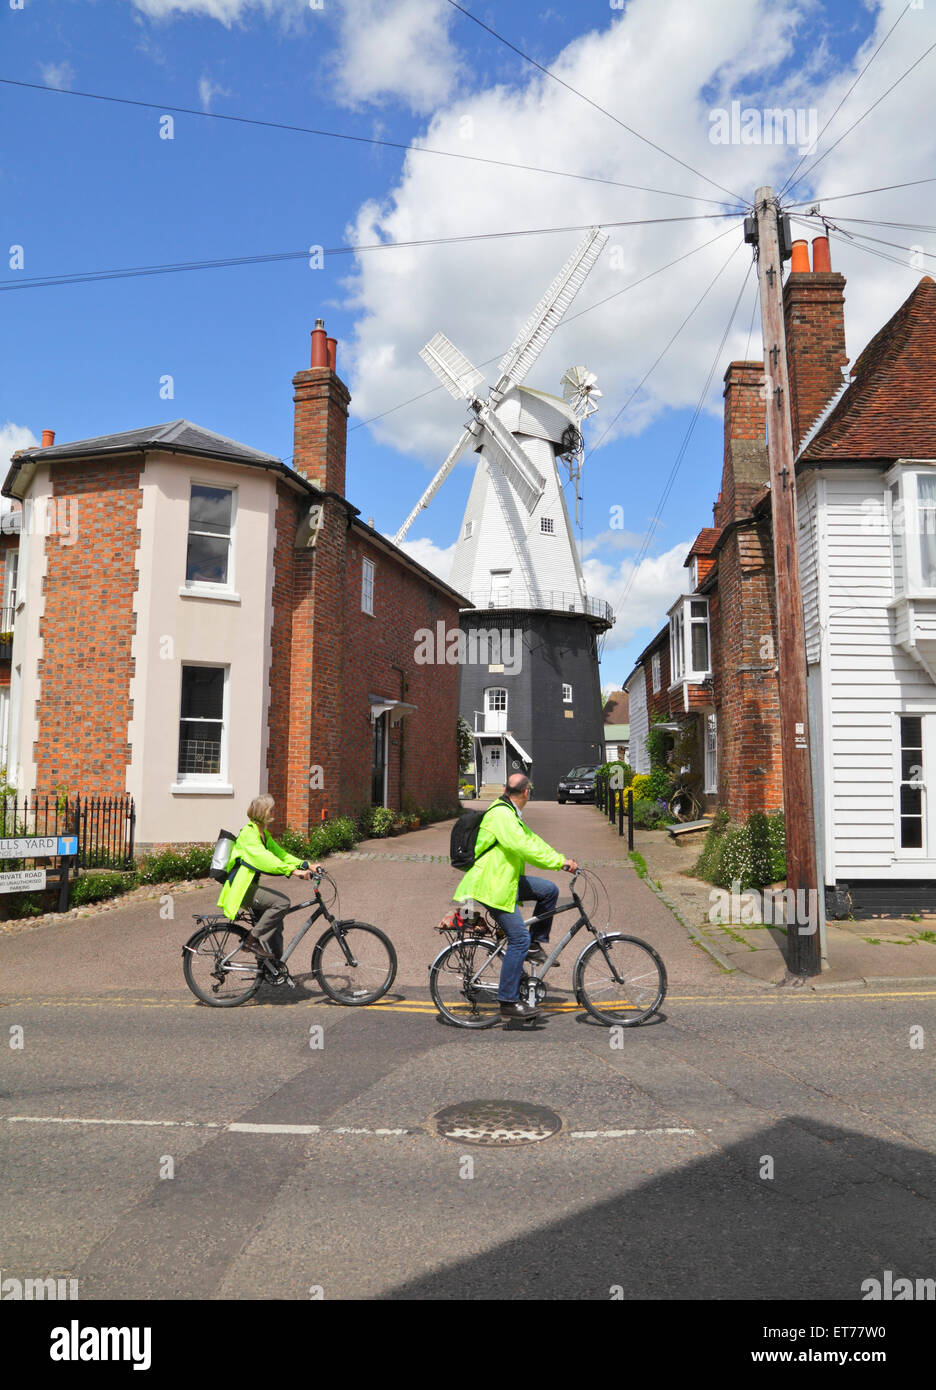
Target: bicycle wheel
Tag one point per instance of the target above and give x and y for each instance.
(463, 981)
(630, 992)
(217, 969)
(354, 963)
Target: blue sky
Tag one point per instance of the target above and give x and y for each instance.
(89, 185)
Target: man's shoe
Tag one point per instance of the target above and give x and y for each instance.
(518, 1009)
(250, 943)
(536, 953)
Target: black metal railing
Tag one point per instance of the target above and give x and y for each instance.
(618, 805)
(104, 825)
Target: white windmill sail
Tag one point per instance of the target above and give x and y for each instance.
(545, 318)
(462, 380)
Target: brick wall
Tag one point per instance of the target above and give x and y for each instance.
(814, 312)
(84, 705)
(741, 609)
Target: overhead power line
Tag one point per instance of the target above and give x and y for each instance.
(862, 193)
(604, 111)
(569, 318)
(838, 108)
(128, 272)
(674, 471)
(864, 236)
(164, 107)
(815, 164)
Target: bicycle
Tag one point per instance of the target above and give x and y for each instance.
(353, 962)
(618, 979)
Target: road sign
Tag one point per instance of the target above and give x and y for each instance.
(38, 846)
(27, 880)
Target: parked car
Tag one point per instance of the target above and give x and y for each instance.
(577, 785)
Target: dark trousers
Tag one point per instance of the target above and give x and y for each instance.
(268, 907)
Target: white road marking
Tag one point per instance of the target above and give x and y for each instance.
(238, 1127)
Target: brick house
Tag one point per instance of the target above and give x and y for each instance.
(225, 624)
(866, 516)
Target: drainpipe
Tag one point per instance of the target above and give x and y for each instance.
(402, 732)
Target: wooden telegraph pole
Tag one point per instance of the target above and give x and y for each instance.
(803, 945)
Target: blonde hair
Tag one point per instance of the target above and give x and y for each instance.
(261, 809)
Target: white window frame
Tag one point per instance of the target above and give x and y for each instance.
(710, 753)
(907, 527)
(495, 715)
(206, 781)
(682, 620)
(368, 585)
(469, 527)
(694, 571)
(656, 673)
(547, 526)
(202, 587)
(927, 850)
(566, 694)
(11, 579)
(4, 725)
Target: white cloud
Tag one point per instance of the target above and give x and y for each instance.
(12, 437)
(651, 65)
(208, 90)
(60, 75)
(395, 49)
(658, 582)
(436, 558)
(226, 12)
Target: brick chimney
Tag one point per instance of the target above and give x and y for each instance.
(321, 420)
(814, 310)
(745, 471)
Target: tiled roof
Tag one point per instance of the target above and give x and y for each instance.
(889, 410)
(178, 435)
(705, 542)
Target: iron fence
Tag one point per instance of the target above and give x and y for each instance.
(104, 825)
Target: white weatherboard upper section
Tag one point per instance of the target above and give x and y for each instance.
(543, 567)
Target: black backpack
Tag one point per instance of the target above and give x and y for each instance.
(464, 835)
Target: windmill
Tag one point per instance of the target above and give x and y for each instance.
(516, 550)
(462, 380)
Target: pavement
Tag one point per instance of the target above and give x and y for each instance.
(745, 1143)
(873, 951)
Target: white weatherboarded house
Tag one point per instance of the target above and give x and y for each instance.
(866, 499)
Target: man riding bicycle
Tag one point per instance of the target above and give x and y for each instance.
(504, 846)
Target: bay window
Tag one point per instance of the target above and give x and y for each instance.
(690, 658)
(913, 529)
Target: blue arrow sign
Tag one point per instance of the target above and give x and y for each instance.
(67, 844)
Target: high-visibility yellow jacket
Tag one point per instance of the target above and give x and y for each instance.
(255, 852)
(495, 874)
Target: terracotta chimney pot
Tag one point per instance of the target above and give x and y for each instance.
(821, 261)
(332, 346)
(319, 345)
(48, 439)
(800, 263)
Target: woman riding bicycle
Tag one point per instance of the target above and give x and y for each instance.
(255, 852)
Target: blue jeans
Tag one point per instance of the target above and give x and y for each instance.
(545, 895)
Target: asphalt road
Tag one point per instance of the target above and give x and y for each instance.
(749, 1143)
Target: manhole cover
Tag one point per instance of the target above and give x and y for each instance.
(495, 1122)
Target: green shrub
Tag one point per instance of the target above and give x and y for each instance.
(337, 834)
(96, 887)
(24, 904)
(171, 865)
(648, 815)
(383, 820)
(659, 783)
(751, 855)
(365, 822)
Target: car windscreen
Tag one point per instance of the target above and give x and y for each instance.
(580, 772)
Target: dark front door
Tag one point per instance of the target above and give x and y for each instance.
(379, 760)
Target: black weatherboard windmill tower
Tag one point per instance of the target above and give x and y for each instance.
(533, 699)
